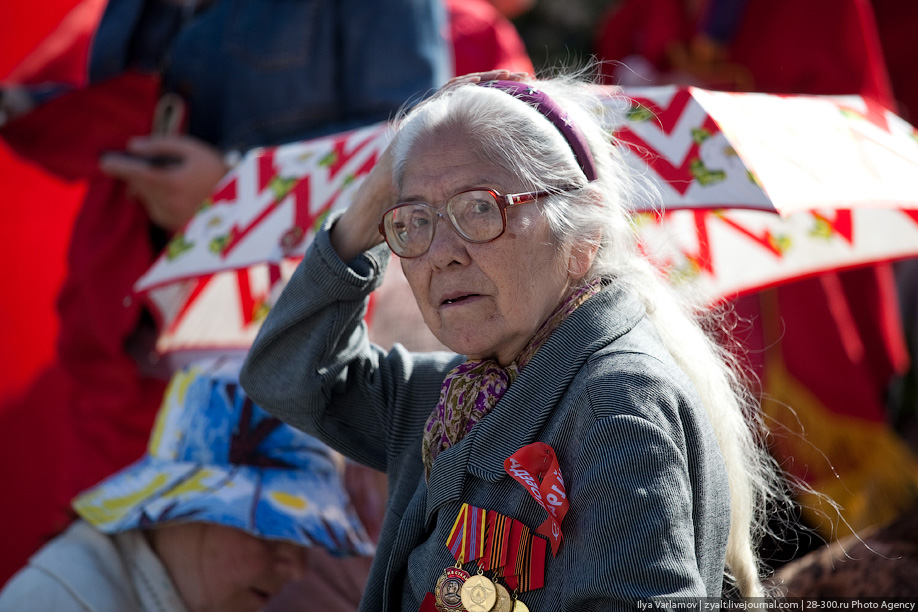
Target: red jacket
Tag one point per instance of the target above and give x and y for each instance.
(92, 401)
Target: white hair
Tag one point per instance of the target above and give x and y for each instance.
(515, 136)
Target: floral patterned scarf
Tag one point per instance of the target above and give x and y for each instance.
(474, 387)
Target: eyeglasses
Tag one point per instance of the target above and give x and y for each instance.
(478, 216)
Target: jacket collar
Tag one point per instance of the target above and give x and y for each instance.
(529, 402)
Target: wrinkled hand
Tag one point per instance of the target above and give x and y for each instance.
(358, 228)
(173, 191)
(490, 75)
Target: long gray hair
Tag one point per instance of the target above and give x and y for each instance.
(513, 135)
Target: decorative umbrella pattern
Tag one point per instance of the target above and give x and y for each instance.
(839, 171)
(755, 190)
(212, 285)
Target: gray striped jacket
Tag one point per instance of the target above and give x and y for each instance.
(649, 500)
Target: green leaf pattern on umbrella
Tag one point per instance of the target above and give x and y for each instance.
(282, 186)
(639, 112)
(723, 165)
(705, 175)
(218, 243)
(177, 246)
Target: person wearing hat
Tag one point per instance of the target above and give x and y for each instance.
(217, 515)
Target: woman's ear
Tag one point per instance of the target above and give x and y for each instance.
(581, 257)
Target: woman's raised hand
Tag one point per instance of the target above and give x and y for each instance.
(358, 228)
(490, 75)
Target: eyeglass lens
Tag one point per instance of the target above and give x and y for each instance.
(476, 215)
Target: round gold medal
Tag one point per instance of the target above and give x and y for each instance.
(504, 601)
(478, 594)
(519, 606)
(448, 590)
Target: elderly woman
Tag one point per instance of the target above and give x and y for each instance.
(586, 447)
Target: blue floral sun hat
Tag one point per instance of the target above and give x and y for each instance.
(214, 456)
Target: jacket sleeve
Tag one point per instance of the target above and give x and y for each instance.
(313, 366)
(645, 488)
(632, 533)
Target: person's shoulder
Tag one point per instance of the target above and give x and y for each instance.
(635, 375)
(79, 570)
(80, 542)
(34, 589)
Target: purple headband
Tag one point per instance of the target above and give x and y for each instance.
(558, 117)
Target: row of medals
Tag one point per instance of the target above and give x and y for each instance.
(457, 591)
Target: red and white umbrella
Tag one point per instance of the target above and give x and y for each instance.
(213, 284)
(756, 189)
(761, 189)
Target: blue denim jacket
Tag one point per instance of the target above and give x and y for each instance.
(265, 72)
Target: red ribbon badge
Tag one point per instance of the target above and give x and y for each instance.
(535, 466)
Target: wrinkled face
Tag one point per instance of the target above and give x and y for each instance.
(222, 569)
(481, 300)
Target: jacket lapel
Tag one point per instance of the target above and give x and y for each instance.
(530, 401)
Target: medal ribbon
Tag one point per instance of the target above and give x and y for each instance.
(498, 537)
(525, 569)
(454, 540)
(532, 570)
(500, 544)
(520, 535)
(466, 540)
(535, 466)
(475, 530)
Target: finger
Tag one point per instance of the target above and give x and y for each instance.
(127, 167)
(461, 79)
(477, 77)
(490, 75)
(161, 145)
(504, 75)
(160, 152)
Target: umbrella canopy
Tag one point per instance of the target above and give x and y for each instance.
(840, 172)
(213, 284)
(754, 189)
